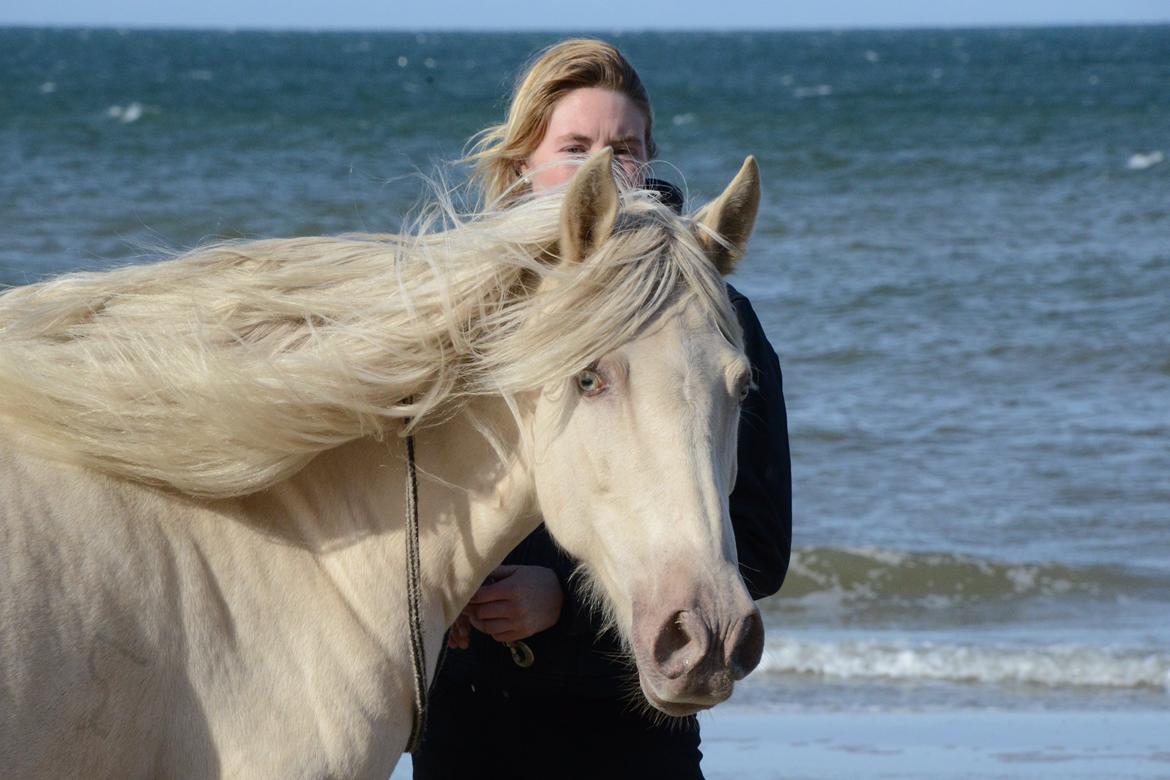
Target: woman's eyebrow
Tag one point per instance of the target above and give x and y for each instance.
(625, 140)
(576, 137)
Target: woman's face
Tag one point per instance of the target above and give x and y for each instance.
(584, 122)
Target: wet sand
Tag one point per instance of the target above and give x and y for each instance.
(756, 744)
(747, 743)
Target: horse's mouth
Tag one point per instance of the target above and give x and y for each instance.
(672, 708)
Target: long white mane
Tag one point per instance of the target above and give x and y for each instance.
(226, 369)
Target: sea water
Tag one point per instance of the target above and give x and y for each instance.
(962, 260)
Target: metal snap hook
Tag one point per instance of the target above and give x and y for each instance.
(522, 654)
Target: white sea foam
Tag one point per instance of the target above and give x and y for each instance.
(682, 119)
(1062, 665)
(820, 90)
(132, 112)
(1139, 162)
(48, 87)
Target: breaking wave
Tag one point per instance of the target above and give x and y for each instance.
(1059, 665)
(860, 576)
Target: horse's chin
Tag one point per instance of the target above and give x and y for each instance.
(672, 708)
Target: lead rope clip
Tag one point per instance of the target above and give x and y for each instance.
(522, 654)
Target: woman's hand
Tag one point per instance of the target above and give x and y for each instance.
(459, 635)
(516, 602)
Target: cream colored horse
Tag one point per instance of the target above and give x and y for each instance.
(204, 611)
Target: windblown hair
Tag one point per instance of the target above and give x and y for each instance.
(225, 370)
(498, 151)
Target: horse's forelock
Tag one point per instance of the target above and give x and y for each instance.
(584, 310)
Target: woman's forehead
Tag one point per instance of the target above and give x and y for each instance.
(590, 112)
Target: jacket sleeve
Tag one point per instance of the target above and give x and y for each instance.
(761, 502)
(578, 617)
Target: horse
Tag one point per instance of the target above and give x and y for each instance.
(203, 475)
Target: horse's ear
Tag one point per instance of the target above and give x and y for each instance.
(731, 216)
(590, 208)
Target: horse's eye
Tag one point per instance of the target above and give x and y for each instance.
(590, 383)
(745, 387)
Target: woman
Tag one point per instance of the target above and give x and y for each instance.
(576, 710)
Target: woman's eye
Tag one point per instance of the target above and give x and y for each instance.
(590, 383)
(574, 150)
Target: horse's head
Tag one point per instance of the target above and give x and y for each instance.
(635, 455)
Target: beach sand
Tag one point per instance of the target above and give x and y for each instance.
(740, 743)
(749, 743)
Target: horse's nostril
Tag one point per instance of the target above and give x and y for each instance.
(747, 646)
(672, 646)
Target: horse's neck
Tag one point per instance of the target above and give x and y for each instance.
(348, 507)
(476, 500)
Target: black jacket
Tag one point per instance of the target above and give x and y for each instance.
(571, 657)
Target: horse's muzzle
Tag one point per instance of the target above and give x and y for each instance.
(696, 655)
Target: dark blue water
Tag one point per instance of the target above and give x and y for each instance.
(963, 261)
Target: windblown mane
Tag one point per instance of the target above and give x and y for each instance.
(226, 369)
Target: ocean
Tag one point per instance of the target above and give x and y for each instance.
(962, 260)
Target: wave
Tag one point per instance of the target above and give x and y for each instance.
(1140, 162)
(861, 577)
(132, 112)
(1047, 665)
(819, 90)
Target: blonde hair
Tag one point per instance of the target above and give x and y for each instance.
(498, 151)
(227, 369)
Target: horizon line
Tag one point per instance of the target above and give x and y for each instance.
(181, 27)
